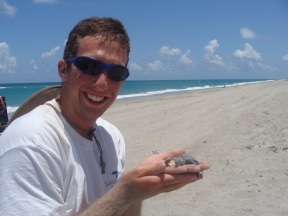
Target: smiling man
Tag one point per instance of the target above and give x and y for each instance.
(62, 158)
(91, 95)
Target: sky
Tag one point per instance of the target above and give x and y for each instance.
(170, 39)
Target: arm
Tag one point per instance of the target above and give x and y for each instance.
(133, 210)
(148, 179)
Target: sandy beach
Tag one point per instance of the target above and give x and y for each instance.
(241, 131)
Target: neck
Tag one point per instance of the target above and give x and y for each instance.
(87, 133)
(84, 132)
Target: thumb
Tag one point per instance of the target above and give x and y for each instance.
(150, 169)
(155, 164)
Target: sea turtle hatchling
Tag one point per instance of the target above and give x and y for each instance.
(182, 160)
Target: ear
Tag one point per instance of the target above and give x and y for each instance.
(62, 70)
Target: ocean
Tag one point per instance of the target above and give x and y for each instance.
(16, 94)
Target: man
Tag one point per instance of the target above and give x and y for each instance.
(62, 158)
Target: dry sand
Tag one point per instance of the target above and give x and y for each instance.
(241, 131)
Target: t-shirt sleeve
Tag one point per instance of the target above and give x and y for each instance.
(31, 183)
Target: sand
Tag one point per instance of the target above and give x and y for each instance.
(241, 131)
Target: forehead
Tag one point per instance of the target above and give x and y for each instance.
(90, 43)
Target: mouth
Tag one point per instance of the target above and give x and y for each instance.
(94, 98)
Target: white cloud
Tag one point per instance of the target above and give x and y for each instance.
(210, 48)
(253, 59)
(51, 52)
(285, 57)
(247, 33)
(168, 51)
(185, 59)
(216, 59)
(34, 65)
(134, 67)
(258, 65)
(7, 9)
(45, 1)
(157, 65)
(248, 53)
(210, 56)
(7, 62)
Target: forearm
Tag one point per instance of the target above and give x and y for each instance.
(115, 202)
(133, 210)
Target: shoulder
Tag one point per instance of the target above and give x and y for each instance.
(37, 128)
(41, 117)
(41, 114)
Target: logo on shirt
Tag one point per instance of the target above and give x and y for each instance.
(116, 173)
(113, 181)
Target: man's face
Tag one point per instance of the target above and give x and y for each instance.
(87, 97)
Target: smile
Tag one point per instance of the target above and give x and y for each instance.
(95, 98)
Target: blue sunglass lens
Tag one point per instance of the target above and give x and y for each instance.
(118, 73)
(89, 66)
(94, 67)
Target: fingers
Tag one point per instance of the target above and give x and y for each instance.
(188, 168)
(165, 179)
(155, 164)
(171, 187)
(170, 182)
(181, 178)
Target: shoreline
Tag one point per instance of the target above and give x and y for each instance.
(241, 131)
(168, 91)
(189, 89)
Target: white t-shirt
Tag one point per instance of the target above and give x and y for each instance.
(47, 168)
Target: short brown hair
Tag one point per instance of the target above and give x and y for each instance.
(107, 28)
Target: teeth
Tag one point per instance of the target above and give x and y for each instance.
(94, 98)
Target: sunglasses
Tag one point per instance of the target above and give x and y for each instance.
(93, 66)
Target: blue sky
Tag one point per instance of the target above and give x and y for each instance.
(183, 39)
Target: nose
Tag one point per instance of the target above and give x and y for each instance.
(101, 81)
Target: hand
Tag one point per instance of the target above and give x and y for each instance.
(151, 176)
